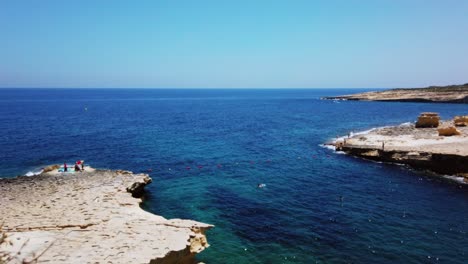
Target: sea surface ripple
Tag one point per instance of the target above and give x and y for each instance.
(208, 149)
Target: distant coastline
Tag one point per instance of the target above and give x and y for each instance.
(432, 94)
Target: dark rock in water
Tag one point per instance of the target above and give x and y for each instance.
(137, 189)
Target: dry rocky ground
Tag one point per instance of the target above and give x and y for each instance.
(90, 217)
(408, 138)
(421, 148)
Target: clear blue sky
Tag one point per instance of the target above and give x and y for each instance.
(291, 43)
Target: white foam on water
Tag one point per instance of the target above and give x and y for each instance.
(331, 147)
(406, 124)
(33, 173)
(455, 178)
(327, 146)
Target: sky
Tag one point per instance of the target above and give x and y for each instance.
(233, 44)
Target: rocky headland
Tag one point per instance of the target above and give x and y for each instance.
(89, 217)
(429, 144)
(432, 94)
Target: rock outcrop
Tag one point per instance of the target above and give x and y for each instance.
(137, 189)
(421, 148)
(439, 163)
(432, 94)
(448, 131)
(460, 120)
(90, 217)
(428, 120)
(51, 168)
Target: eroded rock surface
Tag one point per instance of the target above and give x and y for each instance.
(460, 120)
(427, 120)
(90, 217)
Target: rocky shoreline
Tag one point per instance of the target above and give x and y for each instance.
(432, 94)
(90, 217)
(420, 148)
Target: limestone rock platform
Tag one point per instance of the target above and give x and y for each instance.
(90, 217)
(420, 148)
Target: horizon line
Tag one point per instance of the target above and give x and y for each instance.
(207, 88)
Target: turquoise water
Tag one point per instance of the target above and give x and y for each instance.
(209, 149)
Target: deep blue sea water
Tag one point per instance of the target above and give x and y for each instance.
(208, 150)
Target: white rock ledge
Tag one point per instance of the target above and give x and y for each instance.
(90, 217)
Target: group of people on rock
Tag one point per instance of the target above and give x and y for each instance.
(79, 166)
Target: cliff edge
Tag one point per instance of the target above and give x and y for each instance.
(90, 217)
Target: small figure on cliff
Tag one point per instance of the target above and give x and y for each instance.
(65, 168)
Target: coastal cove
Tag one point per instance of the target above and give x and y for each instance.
(207, 150)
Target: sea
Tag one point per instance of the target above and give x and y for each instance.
(207, 151)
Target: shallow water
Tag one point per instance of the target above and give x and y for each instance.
(209, 149)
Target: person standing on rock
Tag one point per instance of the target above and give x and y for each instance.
(64, 166)
(77, 167)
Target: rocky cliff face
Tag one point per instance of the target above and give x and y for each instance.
(437, 94)
(90, 217)
(447, 164)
